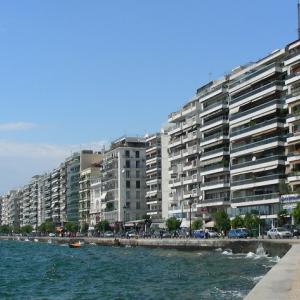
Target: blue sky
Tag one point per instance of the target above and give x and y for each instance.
(77, 74)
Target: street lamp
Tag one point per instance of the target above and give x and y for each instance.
(124, 210)
(190, 202)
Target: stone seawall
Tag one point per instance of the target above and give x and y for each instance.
(272, 247)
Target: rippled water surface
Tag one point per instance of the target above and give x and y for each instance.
(50, 271)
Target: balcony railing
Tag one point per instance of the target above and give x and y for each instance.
(258, 143)
(293, 54)
(235, 99)
(257, 179)
(257, 126)
(210, 183)
(220, 118)
(253, 74)
(255, 109)
(214, 151)
(214, 166)
(222, 199)
(214, 104)
(257, 162)
(255, 198)
(214, 136)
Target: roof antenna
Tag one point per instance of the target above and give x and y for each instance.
(298, 19)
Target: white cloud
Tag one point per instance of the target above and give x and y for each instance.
(15, 126)
(19, 161)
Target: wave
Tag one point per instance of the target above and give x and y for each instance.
(227, 252)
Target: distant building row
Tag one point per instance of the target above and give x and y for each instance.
(234, 146)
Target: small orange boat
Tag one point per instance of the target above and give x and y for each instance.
(76, 244)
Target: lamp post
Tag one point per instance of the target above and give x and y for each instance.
(124, 210)
(190, 202)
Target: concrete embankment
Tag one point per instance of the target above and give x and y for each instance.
(272, 247)
(282, 282)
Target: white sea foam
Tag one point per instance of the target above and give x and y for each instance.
(275, 259)
(250, 255)
(219, 249)
(227, 252)
(257, 278)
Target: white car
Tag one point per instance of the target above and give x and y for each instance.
(279, 233)
(51, 234)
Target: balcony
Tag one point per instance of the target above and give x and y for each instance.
(175, 128)
(257, 179)
(290, 58)
(258, 162)
(175, 155)
(175, 142)
(215, 184)
(191, 193)
(256, 109)
(214, 106)
(262, 69)
(213, 138)
(190, 165)
(175, 182)
(210, 92)
(249, 129)
(214, 202)
(251, 145)
(259, 91)
(222, 166)
(255, 198)
(174, 116)
(190, 137)
(189, 108)
(214, 122)
(191, 179)
(190, 151)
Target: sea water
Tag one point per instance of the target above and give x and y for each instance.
(31, 270)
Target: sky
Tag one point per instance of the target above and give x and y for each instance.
(79, 74)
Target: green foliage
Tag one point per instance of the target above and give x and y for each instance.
(251, 221)
(237, 222)
(109, 206)
(26, 229)
(197, 224)
(4, 229)
(71, 227)
(222, 220)
(84, 227)
(296, 213)
(102, 226)
(282, 217)
(47, 226)
(284, 188)
(173, 224)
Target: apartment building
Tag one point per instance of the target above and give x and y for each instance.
(123, 179)
(214, 147)
(86, 176)
(184, 159)
(95, 203)
(257, 136)
(75, 164)
(15, 197)
(5, 209)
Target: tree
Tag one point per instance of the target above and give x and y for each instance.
(296, 213)
(102, 226)
(47, 226)
(4, 229)
(26, 229)
(251, 221)
(71, 227)
(222, 220)
(197, 224)
(84, 227)
(237, 222)
(173, 224)
(282, 217)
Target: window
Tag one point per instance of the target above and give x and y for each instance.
(137, 164)
(138, 184)
(127, 194)
(128, 184)
(127, 163)
(127, 204)
(127, 153)
(127, 174)
(137, 154)
(138, 205)
(138, 173)
(138, 194)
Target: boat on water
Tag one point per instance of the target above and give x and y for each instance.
(75, 244)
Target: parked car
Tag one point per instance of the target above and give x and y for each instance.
(131, 234)
(51, 234)
(200, 234)
(295, 230)
(279, 233)
(213, 234)
(108, 234)
(237, 233)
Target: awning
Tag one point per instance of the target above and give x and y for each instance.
(210, 224)
(103, 196)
